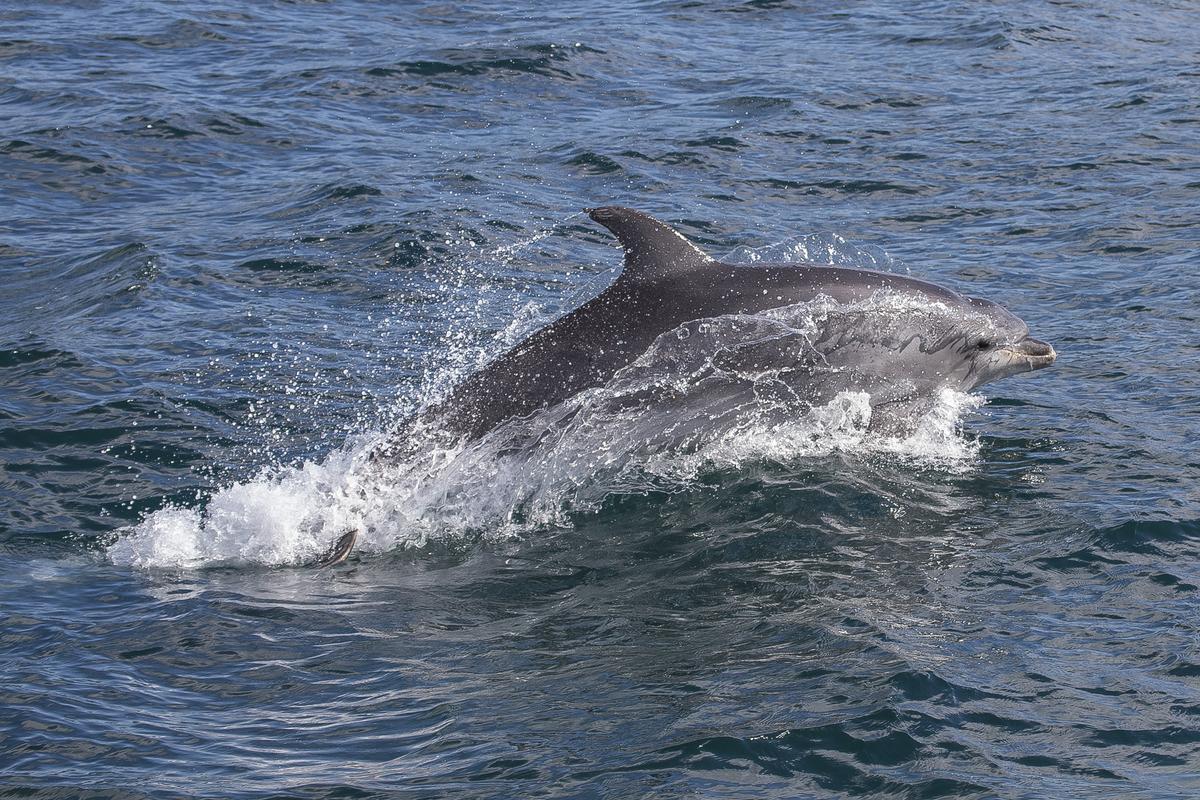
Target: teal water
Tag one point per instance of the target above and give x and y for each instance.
(237, 243)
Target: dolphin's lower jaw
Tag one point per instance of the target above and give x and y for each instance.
(1029, 354)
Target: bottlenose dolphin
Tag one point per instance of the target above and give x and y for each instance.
(900, 339)
(953, 342)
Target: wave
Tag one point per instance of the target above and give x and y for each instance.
(692, 406)
(532, 474)
(479, 491)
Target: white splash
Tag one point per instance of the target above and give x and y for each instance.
(486, 490)
(281, 516)
(691, 406)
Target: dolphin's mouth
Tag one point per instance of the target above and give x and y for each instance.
(1031, 354)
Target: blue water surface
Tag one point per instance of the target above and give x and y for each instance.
(237, 237)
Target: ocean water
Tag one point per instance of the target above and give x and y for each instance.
(240, 244)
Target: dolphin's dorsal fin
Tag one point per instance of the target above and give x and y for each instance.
(653, 249)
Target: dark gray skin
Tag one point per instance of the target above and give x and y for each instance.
(668, 281)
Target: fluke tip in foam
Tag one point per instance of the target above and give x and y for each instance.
(339, 551)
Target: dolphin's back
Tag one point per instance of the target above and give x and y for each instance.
(576, 352)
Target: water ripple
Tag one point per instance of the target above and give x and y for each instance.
(235, 243)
